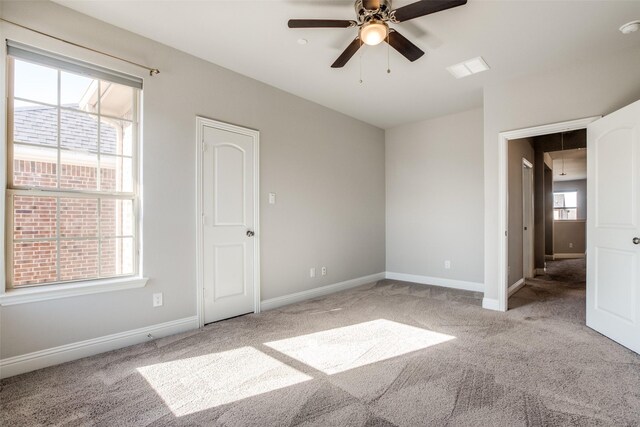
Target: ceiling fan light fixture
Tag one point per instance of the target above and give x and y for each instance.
(374, 32)
(630, 27)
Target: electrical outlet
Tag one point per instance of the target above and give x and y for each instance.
(570, 245)
(324, 271)
(447, 264)
(157, 299)
(312, 272)
(272, 198)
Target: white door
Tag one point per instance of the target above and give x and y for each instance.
(613, 226)
(527, 219)
(229, 220)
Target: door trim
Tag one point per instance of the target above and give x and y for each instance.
(528, 252)
(201, 123)
(503, 218)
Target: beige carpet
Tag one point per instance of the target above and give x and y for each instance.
(384, 354)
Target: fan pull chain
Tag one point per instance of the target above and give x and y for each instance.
(360, 61)
(388, 49)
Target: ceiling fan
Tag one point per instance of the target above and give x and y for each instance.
(373, 18)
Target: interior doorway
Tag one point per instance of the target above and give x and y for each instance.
(535, 145)
(228, 248)
(610, 299)
(553, 193)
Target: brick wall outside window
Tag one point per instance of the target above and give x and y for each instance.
(35, 218)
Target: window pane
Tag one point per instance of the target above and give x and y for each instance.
(35, 82)
(116, 218)
(565, 199)
(34, 262)
(78, 131)
(571, 199)
(117, 256)
(78, 217)
(78, 259)
(116, 137)
(78, 170)
(35, 166)
(35, 124)
(116, 100)
(34, 217)
(116, 174)
(78, 92)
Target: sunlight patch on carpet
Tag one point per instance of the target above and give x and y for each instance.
(341, 349)
(204, 382)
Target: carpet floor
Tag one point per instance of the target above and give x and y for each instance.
(386, 354)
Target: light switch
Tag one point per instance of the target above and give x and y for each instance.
(272, 198)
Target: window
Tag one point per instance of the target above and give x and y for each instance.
(72, 170)
(565, 205)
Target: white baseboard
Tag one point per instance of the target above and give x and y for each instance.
(516, 286)
(66, 353)
(272, 303)
(569, 256)
(437, 281)
(548, 257)
(491, 304)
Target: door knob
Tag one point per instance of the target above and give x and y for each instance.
(250, 233)
(636, 240)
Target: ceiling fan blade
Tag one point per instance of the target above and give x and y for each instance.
(348, 53)
(404, 46)
(321, 23)
(371, 4)
(424, 7)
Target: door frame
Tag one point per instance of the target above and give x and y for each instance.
(201, 123)
(527, 168)
(503, 198)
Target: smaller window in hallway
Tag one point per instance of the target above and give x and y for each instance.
(565, 205)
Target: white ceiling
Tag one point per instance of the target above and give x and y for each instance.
(575, 164)
(515, 37)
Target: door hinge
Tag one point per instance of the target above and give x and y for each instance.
(204, 146)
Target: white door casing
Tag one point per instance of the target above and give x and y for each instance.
(527, 220)
(501, 302)
(228, 237)
(613, 212)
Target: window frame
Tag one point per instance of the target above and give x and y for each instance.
(49, 290)
(564, 208)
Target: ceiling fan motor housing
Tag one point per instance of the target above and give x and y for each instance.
(382, 13)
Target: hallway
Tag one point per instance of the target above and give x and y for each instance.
(565, 280)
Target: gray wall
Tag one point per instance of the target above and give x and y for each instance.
(327, 169)
(598, 85)
(434, 197)
(569, 237)
(517, 149)
(579, 185)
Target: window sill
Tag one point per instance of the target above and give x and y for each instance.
(45, 293)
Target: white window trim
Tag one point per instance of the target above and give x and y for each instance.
(48, 292)
(22, 295)
(31, 294)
